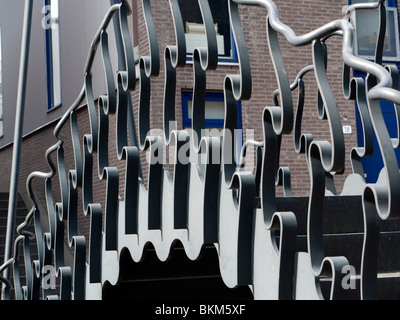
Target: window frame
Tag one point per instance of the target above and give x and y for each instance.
(187, 96)
(209, 123)
(391, 7)
(50, 62)
(222, 59)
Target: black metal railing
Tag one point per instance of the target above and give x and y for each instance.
(208, 201)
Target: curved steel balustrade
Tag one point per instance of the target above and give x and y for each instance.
(220, 205)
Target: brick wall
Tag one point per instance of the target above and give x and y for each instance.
(302, 17)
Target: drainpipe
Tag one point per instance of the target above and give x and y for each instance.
(18, 131)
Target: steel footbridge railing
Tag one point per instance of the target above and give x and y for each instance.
(206, 201)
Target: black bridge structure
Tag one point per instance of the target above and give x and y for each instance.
(212, 223)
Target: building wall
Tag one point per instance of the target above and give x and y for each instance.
(302, 18)
(77, 29)
(79, 22)
(300, 15)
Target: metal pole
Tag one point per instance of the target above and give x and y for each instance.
(19, 121)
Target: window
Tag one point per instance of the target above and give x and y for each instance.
(366, 23)
(195, 31)
(214, 116)
(53, 53)
(214, 110)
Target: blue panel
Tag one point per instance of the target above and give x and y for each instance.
(374, 164)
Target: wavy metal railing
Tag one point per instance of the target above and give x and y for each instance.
(213, 202)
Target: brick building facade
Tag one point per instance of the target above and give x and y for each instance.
(302, 16)
(263, 77)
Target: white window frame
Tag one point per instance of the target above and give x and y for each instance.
(389, 10)
(53, 55)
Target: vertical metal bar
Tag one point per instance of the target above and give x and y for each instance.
(19, 121)
(122, 66)
(118, 39)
